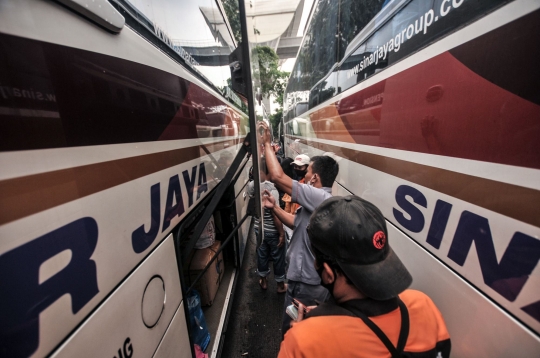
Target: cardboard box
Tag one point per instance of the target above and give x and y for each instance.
(209, 283)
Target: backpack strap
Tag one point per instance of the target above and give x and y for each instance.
(396, 352)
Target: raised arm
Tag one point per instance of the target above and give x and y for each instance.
(275, 173)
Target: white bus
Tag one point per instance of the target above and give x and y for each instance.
(432, 109)
(117, 128)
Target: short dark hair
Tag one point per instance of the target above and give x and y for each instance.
(326, 168)
(287, 167)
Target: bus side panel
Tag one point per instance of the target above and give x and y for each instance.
(468, 310)
(136, 315)
(175, 343)
(121, 225)
(478, 328)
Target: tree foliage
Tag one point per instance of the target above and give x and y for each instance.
(268, 76)
(275, 119)
(272, 80)
(233, 14)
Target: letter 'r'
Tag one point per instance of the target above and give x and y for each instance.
(23, 298)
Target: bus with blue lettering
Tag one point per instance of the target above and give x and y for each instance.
(118, 132)
(432, 110)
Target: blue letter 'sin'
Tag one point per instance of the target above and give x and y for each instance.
(141, 240)
(416, 223)
(517, 263)
(23, 298)
(438, 223)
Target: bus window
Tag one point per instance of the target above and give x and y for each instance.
(354, 16)
(318, 52)
(300, 108)
(404, 33)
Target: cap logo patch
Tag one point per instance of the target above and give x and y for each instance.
(379, 239)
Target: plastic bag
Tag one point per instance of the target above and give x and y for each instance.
(199, 330)
(208, 236)
(199, 353)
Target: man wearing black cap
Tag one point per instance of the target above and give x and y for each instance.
(379, 316)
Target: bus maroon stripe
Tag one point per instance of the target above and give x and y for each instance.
(24, 196)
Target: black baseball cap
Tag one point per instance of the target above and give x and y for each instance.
(353, 232)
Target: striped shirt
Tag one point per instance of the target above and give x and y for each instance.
(267, 216)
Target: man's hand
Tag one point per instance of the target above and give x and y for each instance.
(301, 310)
(281, 240)
(268, 199)
(263, 133)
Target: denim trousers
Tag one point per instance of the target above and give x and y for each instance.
(269, 249)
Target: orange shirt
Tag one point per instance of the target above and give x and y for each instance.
(346, 336)
(291, 207)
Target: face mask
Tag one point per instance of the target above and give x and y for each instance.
(328, 286)
(300, 173)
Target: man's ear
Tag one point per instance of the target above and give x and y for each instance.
(328, 275)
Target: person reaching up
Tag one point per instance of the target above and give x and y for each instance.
(303, 280)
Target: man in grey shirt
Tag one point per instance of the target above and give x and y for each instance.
(303, 280)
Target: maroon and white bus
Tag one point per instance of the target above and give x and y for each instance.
(117, 124)
(432, 109)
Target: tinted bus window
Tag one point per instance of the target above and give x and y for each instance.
(301, 108)
(409, 30)
(354, 16)
(318, 53)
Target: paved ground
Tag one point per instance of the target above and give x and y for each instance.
(254, 328)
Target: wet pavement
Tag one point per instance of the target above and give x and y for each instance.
(254, 327)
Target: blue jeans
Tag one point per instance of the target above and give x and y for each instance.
(269, 248)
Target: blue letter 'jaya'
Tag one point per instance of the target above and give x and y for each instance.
(190, 183)
(203, 186)
(171, 211)
(141, 240)
(23, 298)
